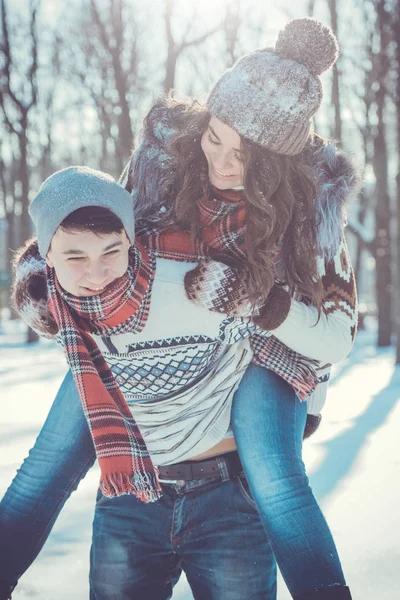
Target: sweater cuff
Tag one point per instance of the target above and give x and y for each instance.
(275, 309)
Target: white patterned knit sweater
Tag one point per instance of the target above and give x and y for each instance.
(180, 372)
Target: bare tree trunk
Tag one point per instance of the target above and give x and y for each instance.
(396, 36)
(25, 231)
(397, 295)
(310, 8)
(174, 49)
(383, 253)
(32, 336)
(366, 134)
(231, 29)
(382, 211)
(125, 133)
(172, 53)
(359, 252)
(114, 46)
(337, 134)
(46, 159)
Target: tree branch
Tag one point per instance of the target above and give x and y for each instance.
(364, 237)
(34, 66)
(101, 26)
(186, 44)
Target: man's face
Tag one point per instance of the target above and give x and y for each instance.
(86, 263)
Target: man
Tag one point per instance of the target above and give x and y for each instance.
(156, 374)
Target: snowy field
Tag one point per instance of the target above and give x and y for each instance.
(353, 461)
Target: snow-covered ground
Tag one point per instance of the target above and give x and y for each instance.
(353, 462)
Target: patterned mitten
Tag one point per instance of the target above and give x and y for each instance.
(275, 309)
(312, 424)
(218, 288)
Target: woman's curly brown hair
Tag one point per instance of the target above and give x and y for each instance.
(280, 191)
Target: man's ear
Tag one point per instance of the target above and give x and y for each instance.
(127, 237)
(49, 262)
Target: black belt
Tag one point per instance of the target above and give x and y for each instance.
(200, 469)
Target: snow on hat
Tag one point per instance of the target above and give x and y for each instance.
(76, 187)
(269, 96)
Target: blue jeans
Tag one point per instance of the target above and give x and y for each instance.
(209, 528)
(60, 458)
(268, 424)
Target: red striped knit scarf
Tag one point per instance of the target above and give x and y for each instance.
(126, 466)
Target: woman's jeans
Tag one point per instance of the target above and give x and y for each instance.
(60, 458)
(268, 424)
(208, 528)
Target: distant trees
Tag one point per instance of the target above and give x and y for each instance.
(18, 98)
(186, 40)
(76, 93)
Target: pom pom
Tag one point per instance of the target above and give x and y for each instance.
(310, 43)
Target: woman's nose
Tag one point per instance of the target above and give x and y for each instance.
(223, 161)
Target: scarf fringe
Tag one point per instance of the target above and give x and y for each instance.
(307, 381)
(145, 486)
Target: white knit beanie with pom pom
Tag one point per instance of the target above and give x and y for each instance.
(269, 96)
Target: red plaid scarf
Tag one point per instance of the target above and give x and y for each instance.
(222, 216)
(217, 286)
(125, 463)
(223, 223)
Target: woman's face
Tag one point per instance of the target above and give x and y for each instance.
(221, 146)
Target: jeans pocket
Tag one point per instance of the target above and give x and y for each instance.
(245, 490)
(100, 499)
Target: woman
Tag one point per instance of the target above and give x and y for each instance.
(259, 119)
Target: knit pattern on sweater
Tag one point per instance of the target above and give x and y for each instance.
(151, 175)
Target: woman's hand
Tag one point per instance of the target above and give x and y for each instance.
(218, 288)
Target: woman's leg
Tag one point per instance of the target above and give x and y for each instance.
(60, 458)
(268, 424)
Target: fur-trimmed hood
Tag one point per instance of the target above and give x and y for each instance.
(338, 180)
(151, 177)
(29, 293)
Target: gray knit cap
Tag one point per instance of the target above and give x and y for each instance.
(269, 96)
(76, 187)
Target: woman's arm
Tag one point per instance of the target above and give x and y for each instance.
(327, 339)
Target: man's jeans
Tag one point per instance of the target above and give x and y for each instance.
(268, 423)
(209, 528)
